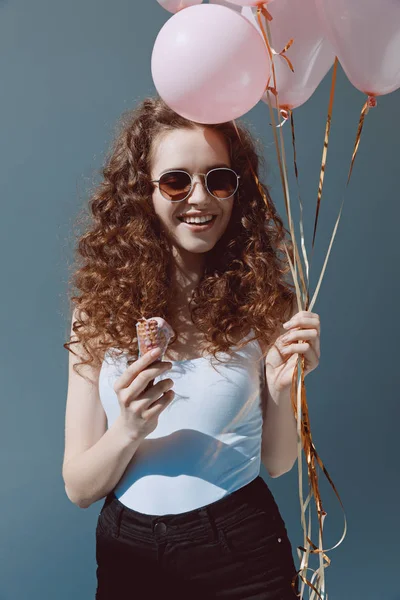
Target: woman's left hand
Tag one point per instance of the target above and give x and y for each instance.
(302, 337)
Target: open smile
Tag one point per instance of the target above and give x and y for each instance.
(199, 226)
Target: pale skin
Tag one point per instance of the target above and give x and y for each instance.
(95, 456)
(198, 150)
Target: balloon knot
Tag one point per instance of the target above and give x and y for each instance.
(272, 90)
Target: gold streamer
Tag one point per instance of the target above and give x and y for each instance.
(325, 149)
(301, 409)
(301, 427)
(282, 161)
(265, 12)
(371, 102)
(303, 246)
(310, 451)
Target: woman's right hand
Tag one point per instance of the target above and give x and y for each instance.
(141, 403)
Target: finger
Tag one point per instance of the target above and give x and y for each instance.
(159, 405)
(292, 348)
(303, 318)
(147, 398)
(154, 371)
(302, 321)
(149, 385)
(306, 313)
(305, 348)
(133, 370)
(144, 382)
(299, 334)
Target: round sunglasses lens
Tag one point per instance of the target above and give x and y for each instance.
(222, 183)
(174, 185)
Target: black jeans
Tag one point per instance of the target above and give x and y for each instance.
(236, 548)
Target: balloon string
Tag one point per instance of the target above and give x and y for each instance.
(298, 291)
(325, 148)
(296, 171)
(305, 438)
(281, 157)
(261, 10)
(370, 103)
(310, 451)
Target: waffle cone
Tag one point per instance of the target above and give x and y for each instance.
(153, 333)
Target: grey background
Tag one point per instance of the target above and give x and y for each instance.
(68, 70)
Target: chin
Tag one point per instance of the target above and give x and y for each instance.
(197, 248)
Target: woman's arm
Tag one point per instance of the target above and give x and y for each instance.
(301, 338)
(91, 475)
(279, 433)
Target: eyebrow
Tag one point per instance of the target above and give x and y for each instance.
(216, 166)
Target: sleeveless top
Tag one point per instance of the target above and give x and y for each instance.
(207, 443)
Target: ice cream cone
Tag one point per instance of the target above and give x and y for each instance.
(153, 333)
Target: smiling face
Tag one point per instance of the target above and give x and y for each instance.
(195, 151)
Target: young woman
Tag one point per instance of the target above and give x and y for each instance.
(186, 513)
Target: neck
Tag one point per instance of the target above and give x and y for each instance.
(187, 270)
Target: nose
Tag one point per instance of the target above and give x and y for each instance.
(199, 193)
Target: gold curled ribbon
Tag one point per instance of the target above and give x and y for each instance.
(317, 582)
(281, 156)
(285, 114)
(261, 10)
(309, 448)
(283, 55)
(371, 102)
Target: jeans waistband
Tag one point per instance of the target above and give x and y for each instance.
(257, 493)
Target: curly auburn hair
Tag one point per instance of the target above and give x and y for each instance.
(123, 258)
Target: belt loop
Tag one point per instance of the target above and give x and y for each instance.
(108, 499)
(120, 511)
(209, 523)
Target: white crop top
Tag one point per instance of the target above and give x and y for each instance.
(207, 443)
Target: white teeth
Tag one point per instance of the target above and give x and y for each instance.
(206, 219)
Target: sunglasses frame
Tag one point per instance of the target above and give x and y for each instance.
(205, 175)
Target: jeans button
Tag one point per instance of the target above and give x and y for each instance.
(160, 527)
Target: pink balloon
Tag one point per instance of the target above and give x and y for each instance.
(366, 38)
(250, 2)
(225, 3)
(176, 5)
(311, 54)
(209, 64)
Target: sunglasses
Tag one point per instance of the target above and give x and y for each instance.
(176, 185)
